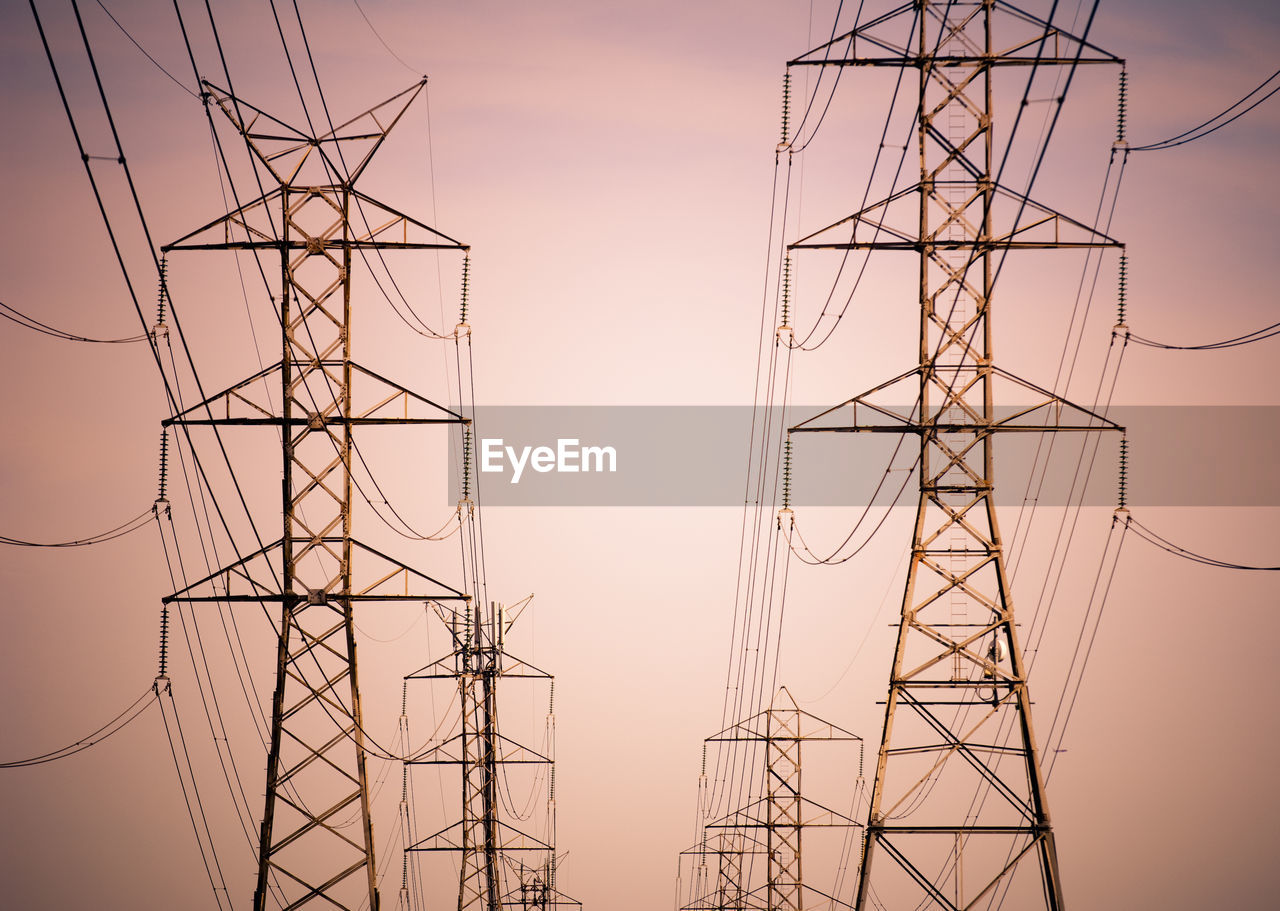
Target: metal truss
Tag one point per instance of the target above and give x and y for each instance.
(482, 838)
(958, 807)
(725, 887)
(774, 824)
(316, 844)
(534, 888)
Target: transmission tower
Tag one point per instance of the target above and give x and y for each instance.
(728, 851)
(958, 804)
(482, 839)
(312, 216)
(772, 825)
(534, 888)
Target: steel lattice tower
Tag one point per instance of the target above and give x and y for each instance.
(958, 803)
(481, 838)
(774, 824)
(316, 573)
(729, 850)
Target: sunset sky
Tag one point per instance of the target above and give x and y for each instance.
(611, 167)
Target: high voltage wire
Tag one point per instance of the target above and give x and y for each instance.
(835, 24)
(1216, 122)
(138, 521)
(213, 867)
(1178, 551)
(804, 344)
(171, 392)
(732, 769)
(98, 735)
(1256, 335)
(120, 158)
(381, 40)
(30, 322)
(735, 770)
(209, 702)
(1123, 521)
(1018, 539)
(124, 31)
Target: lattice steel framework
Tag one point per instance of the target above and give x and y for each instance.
(316, 842)
(482, 839)
(958, 804)
(534, 888)
(723, 888)
(774, 824)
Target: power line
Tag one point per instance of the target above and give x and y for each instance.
(1200, 131)
(31, 322)
(209, 856)
(1256, 335)
(119, 531)
(381, 40)
(157, 64)
(1061, 732)
(115, 243)
(173, 395)
(1178, 551)
(114, 726)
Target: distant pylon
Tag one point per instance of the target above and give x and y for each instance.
(958, 805)
(774, 824)
(534, 888)
(483, 840)
(312, 217)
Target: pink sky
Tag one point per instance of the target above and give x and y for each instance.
(610, 165)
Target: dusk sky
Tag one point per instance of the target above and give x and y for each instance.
(611, 167)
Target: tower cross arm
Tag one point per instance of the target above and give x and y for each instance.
(1041, 43)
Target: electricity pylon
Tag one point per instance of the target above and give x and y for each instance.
(958, 805)
(728, 851)
(481, 838)
(534, 888)
(312, 216)
(772, 825)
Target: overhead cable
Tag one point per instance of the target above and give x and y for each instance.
(1166, 545)
(119, 531)
(115, 725)
(381, 40)
(1216, 122)
(172, 78)
(31, 322)
(208, 854)
(1256, 335)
